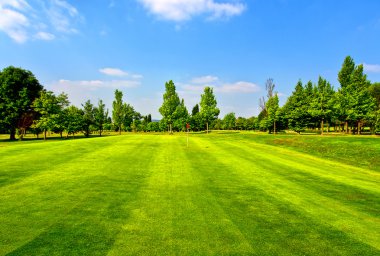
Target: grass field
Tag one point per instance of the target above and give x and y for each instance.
(227, 194)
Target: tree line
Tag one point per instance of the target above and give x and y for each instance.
(26, 106)
(352, 108)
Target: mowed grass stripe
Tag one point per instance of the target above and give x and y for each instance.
(334, 181)
(268, 175)
(176, 214)
(77, 207)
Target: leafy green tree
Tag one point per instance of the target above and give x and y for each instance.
(74, 120)
(272, 107)
(229, 121)
(18, 89)
(58, 119)
(196, 119)
(181, 117)
(129, 116)
(170, 104)
(241, 123)
(118, 110)
(50, 108)
(88, 117)
(209, 112)
(321, 107)
(375, 93)
(296, 109)
(100, 116)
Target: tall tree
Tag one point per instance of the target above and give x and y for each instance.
(118, 110)
(296, 109)
(18, 89)
(181, 117)
(50, 108)
(229, 121)
(73, 120)
(196, 119)
(170, 104)
(272, 110)
(321, 107)
(88, 117)
(100, 116)
(209, 112)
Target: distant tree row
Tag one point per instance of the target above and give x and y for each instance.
(175, 114)
(26, 105)
(350, 109)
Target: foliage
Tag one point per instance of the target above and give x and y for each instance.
(209, 112)
(100, 116)
(170, 103)
(18, 89)
(229, 121)
(118, 110)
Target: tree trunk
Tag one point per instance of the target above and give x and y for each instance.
(274, 127)
(45, 134)
(13, 134)
(359, 128)
(170, 129)
(100, 133)
(346, 124)
(207, 127)
(120, 130)
(322, 127)
(60, 133)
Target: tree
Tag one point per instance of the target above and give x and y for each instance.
(181, 117)
(129, 116)
(88, 117)
(18, 89)
(272, 110)
(170, 104)
(321, 107)
(354, 103)
(229, 121)
(118, 110)
(196, 119)
(100, 116)
(209, 112)
(73, 120)
(50, 108)
(296, 109)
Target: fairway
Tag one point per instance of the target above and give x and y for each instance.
(226, 194)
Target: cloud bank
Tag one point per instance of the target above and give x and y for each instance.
(182, 10)
(38, 20)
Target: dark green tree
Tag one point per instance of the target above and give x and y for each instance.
(18, 89)
(50, 109)
(229, 121)
(170, 104)
(100, 116)
(88, 117)
(209, 111)
(74, 120)
(118, 110)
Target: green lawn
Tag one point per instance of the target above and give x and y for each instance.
(227, 194)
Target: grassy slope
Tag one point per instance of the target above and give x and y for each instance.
(225, 194)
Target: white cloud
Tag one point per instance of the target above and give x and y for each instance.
(238, 87)
(204, 79)
(13, 22)
(181, 10)
(23, 21)
(197, 84)
(113, 72)
(371, 68)
(96, 84)
(44, 36)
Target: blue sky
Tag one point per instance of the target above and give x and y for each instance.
(90, 48)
